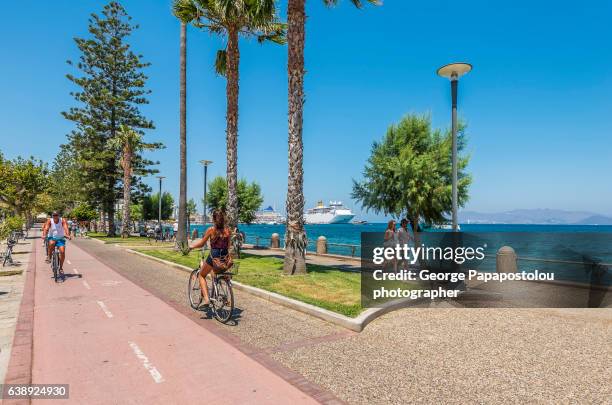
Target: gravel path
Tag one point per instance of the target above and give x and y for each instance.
(424, 355)
(448, 355)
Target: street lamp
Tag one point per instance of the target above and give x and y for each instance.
(160, 201)
(205, 163)
(453, 72)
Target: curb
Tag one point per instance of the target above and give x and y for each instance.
(355, 324)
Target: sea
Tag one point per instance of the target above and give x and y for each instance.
(340, 235)
(574, 252)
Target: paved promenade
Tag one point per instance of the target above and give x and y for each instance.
(114, 342)
(416, 355)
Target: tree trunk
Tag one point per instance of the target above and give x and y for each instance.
(181, 238)
(232, 89)
(295, 237)
(127, 192)
(102, 225)
(109, 207)
(110, 211)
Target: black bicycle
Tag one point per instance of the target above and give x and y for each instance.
(8, 253)
(55, 265)
(220, 293)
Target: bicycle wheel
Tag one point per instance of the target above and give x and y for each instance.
(55, 266)
(222, 300)
(194, 292)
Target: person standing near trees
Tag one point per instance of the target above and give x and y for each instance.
(391, 241)
(403, 238)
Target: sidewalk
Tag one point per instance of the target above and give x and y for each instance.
(11, 292)
(114, 342)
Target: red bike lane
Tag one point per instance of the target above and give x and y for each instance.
(114, 342)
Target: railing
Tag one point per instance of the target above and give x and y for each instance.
(352, 248)
(314, 245)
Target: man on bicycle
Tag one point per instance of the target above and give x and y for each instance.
(56, 231)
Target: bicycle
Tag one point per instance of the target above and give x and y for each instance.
(8, 254)
(221, 294)
(55, 265)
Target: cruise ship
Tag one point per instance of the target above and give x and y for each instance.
(268, 216)
(336, 213)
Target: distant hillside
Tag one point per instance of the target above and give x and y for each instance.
(535, 216)
(595, 220)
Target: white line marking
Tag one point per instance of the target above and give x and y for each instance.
(75, 271)
(86, 284)
(105, 309)
(155, 374)
(68, 261)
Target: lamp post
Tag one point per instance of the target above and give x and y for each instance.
(453, 72)
(160, 201)
(205, 164)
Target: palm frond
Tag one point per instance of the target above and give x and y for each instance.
(356, 3)
(221, 62)
(185, 10)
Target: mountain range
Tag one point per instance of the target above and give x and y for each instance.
(535, 216)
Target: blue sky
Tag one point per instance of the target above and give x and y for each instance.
(537, 102)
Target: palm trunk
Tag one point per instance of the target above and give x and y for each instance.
(295, 237)
(181, 238)
(127, 192)
(232, 63)
(110, 208)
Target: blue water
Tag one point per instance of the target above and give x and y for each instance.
(577, 245)
(350, 234)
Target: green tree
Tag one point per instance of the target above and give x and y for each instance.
(410, 173)
(130, 143)
(21, 181)
(232, 18)
(190, 210)
(151, 206)
(83, 212)
(136, 212)
(67, 190)
(249, 198)
(10, 224)
(295, 236)
(111, 91)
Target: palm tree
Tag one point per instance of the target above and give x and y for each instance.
(129, 142)
(181, 238)
(232, 18)
(295, 236)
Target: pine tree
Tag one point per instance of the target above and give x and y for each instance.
(112, 88)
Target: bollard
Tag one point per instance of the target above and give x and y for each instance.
(275, 241)
(506, 260)
(321, 245)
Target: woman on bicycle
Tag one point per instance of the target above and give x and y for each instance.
(219, 236)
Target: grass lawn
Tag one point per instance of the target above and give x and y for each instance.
(132, 240)
(323, 286)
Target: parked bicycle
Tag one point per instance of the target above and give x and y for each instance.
(8, 253)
